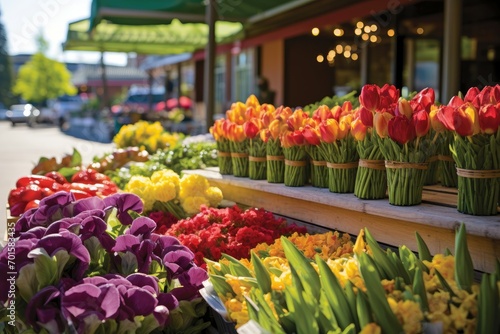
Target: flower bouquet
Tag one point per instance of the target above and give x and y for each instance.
(319, 171)
(446, 165)
(293, 143)
(476, 149)
(223, 147)
(371, 179)
(338, 149)
(275, 123)
(257, 149)
(405, 144)
(95, 266)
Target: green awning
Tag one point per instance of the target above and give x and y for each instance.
(172, 38)
(133, 12)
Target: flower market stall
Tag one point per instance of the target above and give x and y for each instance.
(347, 218)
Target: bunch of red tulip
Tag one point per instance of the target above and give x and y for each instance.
(474, 121)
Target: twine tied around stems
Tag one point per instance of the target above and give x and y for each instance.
(432, 159)
(257, 159)
(296, 163)
(275, 157)
(373, 164)
(414, 165)
(318, 163)
(347, 165)
(223, 154)
(478, 174)
(238, 155)
(445, 158)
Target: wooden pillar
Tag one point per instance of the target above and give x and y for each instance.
(105, 93)
(451, 49)
(208, 86)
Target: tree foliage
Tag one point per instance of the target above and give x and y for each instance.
(5, 69)
(42, 78)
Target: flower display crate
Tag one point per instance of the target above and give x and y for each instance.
(436, 219)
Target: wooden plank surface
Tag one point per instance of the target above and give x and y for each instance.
(389, 224)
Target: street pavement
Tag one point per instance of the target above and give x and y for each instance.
(21, 147)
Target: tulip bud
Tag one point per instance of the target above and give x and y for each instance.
(445, 116)
(344, 127)
(465, 120)
(251, 129)
(489, 119)
(370, 97)
(358, 129)
(366, 116)
(471, 95)
(436, 124)
(297, 120)
(389, 96)
(421, 122)
(311, 135)
(322, 113)
(328, 130)
(251, 112)
(252, 101)
(347, 106)
(380, 123)
(336, 112)
(404, 108)
(425, 98)
(265, 135)
(401, 129)
(455, 102)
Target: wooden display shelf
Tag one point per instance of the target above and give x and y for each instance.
(436, 219)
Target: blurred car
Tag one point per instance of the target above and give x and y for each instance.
(22, 113)
(64, 105)
(139, 103)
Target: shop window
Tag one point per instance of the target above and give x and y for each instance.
(220, 83)
(243, 75)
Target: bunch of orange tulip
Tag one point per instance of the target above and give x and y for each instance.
(218, 131)
(474, 122)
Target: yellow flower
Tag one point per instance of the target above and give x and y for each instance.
(163, 191)
(371, 328)
(192, 204)
(214, 196)
(193, 185)
(408, 313)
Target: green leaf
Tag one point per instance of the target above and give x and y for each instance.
(45, 268)
(419, 289)
(306, 273)
(26, 282)
(423, 251)
(76, 158)
(380, 257)
(464, 269)
(445, 284)
(236, 267)
(220, 285)
(351, 329)
(363, 309)
(68, 172)
(212, 267)
(488, 305)
(128, 263)
(261, 273)
(377, 298)
(335, 294)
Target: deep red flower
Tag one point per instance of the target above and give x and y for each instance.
(370, 97)
(366, 116)
(311, 135)
(251, 128)
(422, 123)
(489, 118)
(389, 95)
(401, 129)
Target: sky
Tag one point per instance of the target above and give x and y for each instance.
(24, 19)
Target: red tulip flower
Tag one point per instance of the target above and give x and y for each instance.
(425, 98)
(252, 127)
(366, 116)
(322, 113)
(297, 120)
(311, 135)
(389, 96)
(401, 129)
(370, 97)
(471, 95)
(465, 120)
(422, 123)
(489, 118)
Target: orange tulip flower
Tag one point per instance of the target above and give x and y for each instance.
(358, 129)
(311, 135)
(329, 130)
(380, 123)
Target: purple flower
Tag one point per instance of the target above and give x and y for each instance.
(144, 281)
(71, 243)
(178, 261)
(43, 310)
(49, 210)
(84, 204)
(140, 301)
(87, 299)
(143, 250)
(34, 233)
(124, 202)
(142, 226)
